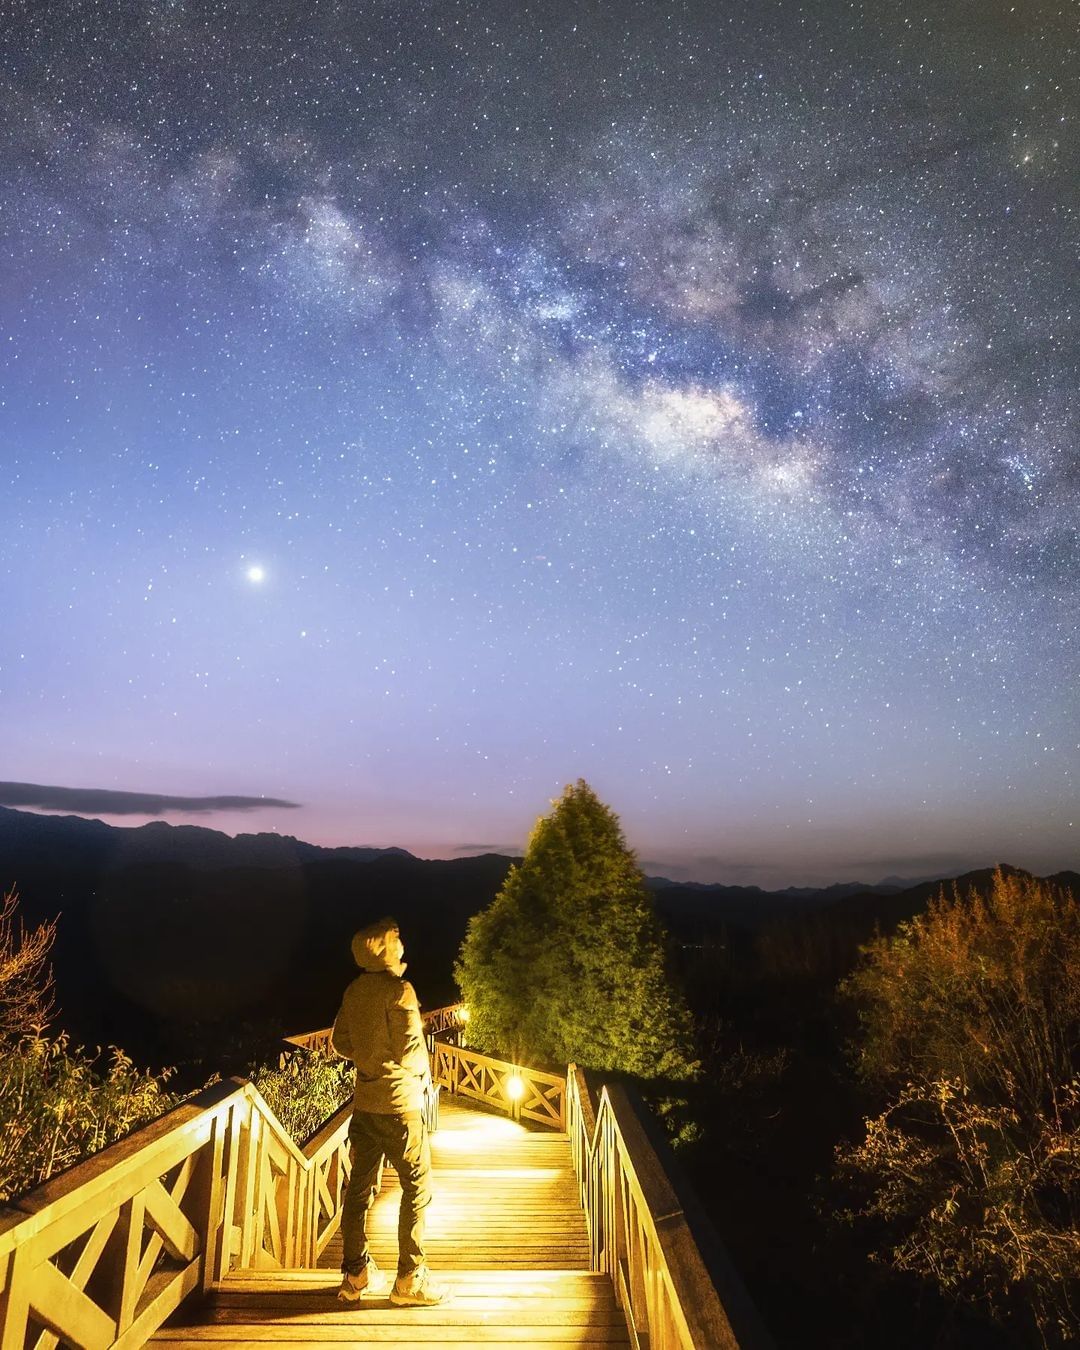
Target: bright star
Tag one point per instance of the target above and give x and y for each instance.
(256, 573)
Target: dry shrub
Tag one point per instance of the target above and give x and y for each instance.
(306, 1090)
(970, 1021)
(26, 985)
(58, 1103)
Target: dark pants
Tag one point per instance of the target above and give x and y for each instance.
(403, 1140)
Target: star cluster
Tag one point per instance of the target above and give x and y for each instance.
(408, 408)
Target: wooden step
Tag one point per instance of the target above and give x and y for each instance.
(556, 1309)
(504, 1197)
(505, 1234)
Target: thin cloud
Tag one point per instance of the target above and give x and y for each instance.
(728, 865)
(105, 802)
(670, 871)
(920, 864)
(512, 850)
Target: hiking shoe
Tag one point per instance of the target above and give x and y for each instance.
(369, 1280)
(417, 1290)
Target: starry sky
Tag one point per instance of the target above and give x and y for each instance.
(409, 406)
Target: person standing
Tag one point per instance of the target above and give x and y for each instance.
(378, 1027)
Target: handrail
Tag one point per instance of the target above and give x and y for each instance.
(523, 1093)
(100, 1255)
(437, 1021)
(640, 1236)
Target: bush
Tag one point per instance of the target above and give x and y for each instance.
(306, 1090)
(58, 1105)
(970, 1033)
(26, 986)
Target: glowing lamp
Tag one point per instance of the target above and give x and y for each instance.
(463, 1015)
(515, 1088)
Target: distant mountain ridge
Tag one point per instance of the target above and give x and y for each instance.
(30, 837)
(166, 929)
(171, 939)
(33, 837)
(835, 891)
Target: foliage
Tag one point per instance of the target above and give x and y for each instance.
(26, 986)
(970, 1022)
(305, 1090)
(569, 960)
(981, 1210)
(58, 1103)
(57, 1106)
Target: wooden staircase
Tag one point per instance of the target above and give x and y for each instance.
(504, 1198)
(558, 1226)
(506, 1234)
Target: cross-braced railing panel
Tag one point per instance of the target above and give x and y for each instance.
(439, 1021)
(331, 1167)
(530, 1094)
(99, 1256)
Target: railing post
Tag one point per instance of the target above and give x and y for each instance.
(120, 1261)
(229, 1245)
(606, 1181)
(14, 1301)
(205, 1202)
(248, 1194)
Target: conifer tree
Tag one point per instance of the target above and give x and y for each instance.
(569, 962)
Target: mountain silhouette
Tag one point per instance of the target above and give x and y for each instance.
(172, 938)
(27, 835)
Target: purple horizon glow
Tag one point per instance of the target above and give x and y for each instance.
(407, 411)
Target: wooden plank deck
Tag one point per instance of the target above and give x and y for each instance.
(545, 1310)
(504, 1197)
(505, 1233)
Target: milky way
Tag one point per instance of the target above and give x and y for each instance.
(410, 407)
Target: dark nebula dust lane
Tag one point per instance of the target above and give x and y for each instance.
(407, 408)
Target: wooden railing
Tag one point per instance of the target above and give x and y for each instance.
(437, 1022)
(317, 1042)
(640, 1236)
(526, 1094)
(639, 1233)
(447, 1021)
(100, 1255)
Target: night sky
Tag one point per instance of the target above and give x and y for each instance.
(407, 407)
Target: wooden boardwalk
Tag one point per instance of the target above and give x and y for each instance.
(506, 1234)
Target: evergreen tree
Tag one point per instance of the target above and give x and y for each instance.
(568, 962)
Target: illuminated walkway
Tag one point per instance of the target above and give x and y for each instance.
(505, 1198)
(506, 1233)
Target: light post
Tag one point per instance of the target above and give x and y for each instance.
(515, 1090)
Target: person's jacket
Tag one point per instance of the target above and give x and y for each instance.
(379, 1029)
